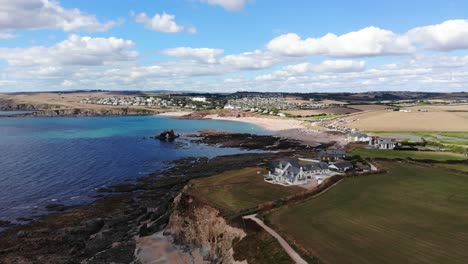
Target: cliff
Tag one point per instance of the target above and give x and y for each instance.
(94, 112)
(196, 231)
(52, 110)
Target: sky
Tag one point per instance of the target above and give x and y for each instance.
(234, 45)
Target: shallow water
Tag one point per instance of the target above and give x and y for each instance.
(63, 160)
(15, 112)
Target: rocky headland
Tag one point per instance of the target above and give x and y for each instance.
(52, 110)
(122, 227)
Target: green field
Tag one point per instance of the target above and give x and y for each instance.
(455, 141)
(460, 167)
(404, 154)
(410, 215)
(240, 189)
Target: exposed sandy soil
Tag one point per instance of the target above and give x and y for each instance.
(388, 120)
(176, 113)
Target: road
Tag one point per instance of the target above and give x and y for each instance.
(289, 250)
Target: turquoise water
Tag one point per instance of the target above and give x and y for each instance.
(63, 160)
(14, 112)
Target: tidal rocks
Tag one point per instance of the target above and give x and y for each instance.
(167, 135)
(4, 223)
(56, 207)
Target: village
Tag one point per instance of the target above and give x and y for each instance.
(192, 103)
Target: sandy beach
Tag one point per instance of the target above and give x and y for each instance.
(176, 113)
(289, 128)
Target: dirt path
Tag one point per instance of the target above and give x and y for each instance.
(289, 250)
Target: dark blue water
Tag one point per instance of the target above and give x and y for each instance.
(63, 160)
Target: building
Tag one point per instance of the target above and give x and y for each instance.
(383, 143)
(342, 166)
(291, 172)
(358, 137)
(286, 172)
(332, 155)
(315, 168)
(198, 99)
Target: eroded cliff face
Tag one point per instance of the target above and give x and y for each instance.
(93, 112)
(203, 230)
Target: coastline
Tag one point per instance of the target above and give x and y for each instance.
(105, 230)
(288, 128)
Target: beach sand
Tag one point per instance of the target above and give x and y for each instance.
(289, 128)
(176, 113)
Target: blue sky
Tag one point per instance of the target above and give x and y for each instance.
(231, 45)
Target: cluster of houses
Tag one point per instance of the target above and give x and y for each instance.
(300, 171)
(183, 102)
(269, 105)
(374, 141)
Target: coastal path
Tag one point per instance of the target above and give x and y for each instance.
(289, 250)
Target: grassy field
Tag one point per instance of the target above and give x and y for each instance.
(410, 215)
(460, 167)
(404, 154)
(240, 189)
(328, 111)
(369, 107)
(388, 120)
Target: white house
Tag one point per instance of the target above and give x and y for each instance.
(198, 99)
(383, 143)
(291, 172)
(286, 172)
(358, 137)
(315, 168)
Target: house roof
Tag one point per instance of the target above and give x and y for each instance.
(282, 163)
(316, 166)
(332, 152)
(343, 165)
(386, 141)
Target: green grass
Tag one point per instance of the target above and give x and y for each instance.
(404, 154)
(240, 189)
(460, 167)
(410, 215)
(458, 141)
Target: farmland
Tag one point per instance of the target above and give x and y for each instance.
(328, 111)
(395, 121)
(369, 107)
(240, 189)
(405, 154)
(410, 215)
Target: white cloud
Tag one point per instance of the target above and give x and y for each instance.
(447, 36)
(230, 5)
(340, 66)
(47, 14)
(162, 23)
(252, 60)
(307, 69)
(204, 55)
(75, 50)
(370, 41)
(7, 36)
(421, 73)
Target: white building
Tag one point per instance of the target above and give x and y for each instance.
(290, 172)
(198, 99)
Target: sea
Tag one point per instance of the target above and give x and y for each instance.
(64, 160)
